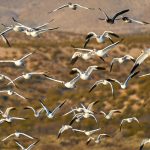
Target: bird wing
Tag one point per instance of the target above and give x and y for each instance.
(137, 21)
(29, 107)
(26, 56)
(93, 131)
(90, 106)
(104, 13)
(19, 77)
(61, 7)
(19, 145)
(53, 79)
(124, 120)
(30, 137)
(108, 48)
(8, 110)
(75, 57)
(102, 112)
(95, 85)
(139, 60)
(45, 108)
(113, 111)
(20, 95)
(112, 63)
(89, 140)
(8, 137)
(58, 108)
(83, 7)
(74, 80)
(120, 13)
(84, 49)
(5, 40)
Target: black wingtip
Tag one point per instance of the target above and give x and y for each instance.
(134, 68)
(94, 86)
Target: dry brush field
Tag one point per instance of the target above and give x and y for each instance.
(53, 53)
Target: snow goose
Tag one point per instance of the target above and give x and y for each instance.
(111, 20)
(7, 111)
(51, 114)
(110, 114)
(98, 139)
(69, 84)
(121, 60)
(104, 82)
(62, 129)
(18, 62)
(29, 147)
(100, 38)
(71, 6)
(86, 74)
(88, 133)
(130, 20)
(36, 112)
(17, 135)
(129, 120)
(124, 85)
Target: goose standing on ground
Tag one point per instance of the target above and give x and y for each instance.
(100, 53)
(88, 133)
(110, 114)
(36, 112)
(9, 119)
(27, 76)
(130, 20)
(71, 6)
(124, 85)
(51, 114)
(104, 82)
(121, 60)
(29, 147)
(145, 54)
(18, 62)
(17, 135)
(145, 141)
(98, 139)
(7, 111)
(12, 92)
(86, 74)
(129, 120)
(100, 38)
(69, 84)
(62, 129)
(85, 56)
(112, 19)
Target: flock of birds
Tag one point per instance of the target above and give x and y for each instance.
(81, 112)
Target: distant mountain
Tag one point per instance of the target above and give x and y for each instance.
(35, 12)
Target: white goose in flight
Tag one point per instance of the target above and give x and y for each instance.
(51, 114)
(129, 120)
(98, 139)
(111, 20)
(62, 129)
(85, 115)
(130, 20)
(110, 114)
(124, 85)
(27, 76)
(121, 60)
(36, 33)
(9, 119)
(145, 54)
(69, 84)
(6, 112)
(36, 112)
(84, 55)
(100, 53)
(2, 77)
(145, 141)
(17, 135)
(100, 38)
(104, 82)
(29, 147)
(86, 74)
(18, 62)
(71, 6)
(12, 92)
(88, 133)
